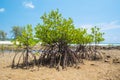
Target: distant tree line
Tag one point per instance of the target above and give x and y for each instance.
(16, 31)
(3, 35)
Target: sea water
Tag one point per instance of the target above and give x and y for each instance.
(108, 44)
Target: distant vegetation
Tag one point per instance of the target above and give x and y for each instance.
(3, 35)
(16, 31)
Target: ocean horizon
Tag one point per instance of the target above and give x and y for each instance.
(100, 44)
(107, 44)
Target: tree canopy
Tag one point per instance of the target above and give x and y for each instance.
(55, 28)
(16, 31)
(26, 38)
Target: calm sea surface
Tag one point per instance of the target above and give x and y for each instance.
(108, 44)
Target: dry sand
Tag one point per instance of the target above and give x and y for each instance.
(90, 70)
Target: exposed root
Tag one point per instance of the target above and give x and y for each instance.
(88, 52)
(56, 56)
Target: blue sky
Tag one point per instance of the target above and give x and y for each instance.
(85, 13)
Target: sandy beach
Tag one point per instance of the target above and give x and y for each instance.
(90, 70)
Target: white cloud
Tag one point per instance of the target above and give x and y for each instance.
(28, 5)
(111, 25)
(2, 9)
(103, 26)
(110, 37)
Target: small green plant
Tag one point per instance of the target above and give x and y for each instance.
(25, 41)
(97, 35)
